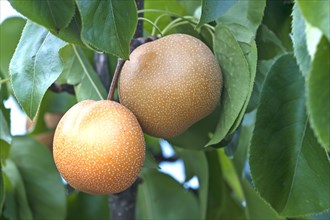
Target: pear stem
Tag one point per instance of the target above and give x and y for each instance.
(119, 66)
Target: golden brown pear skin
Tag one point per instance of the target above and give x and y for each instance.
(170, 84)
(99, 147)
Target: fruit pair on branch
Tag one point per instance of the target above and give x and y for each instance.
(166, 86)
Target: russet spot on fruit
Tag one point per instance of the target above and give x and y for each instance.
(171, 83)
(99, 147)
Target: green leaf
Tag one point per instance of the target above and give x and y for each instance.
(2, 190)
(215, 190)
(34, 66)
(150, 161)
(263, 67)
(230, 175)
(211, 10)
(161, 197)
(153, 144)
(318, 94)
(87, 207)
(246, 131)
(278, 18)
(196, 164)
(299, 40)
(256, 207)
(108, 25)
(72, 32)
(9, 207)
(73, 69)
(4, 89)
(10, 32)
(5, 111)
(54, 15)
(250, 53)
(59, 102)
(223, 202)
(5, 137)
(283, 147)
(236, 76)
(165, 18)
(244, 18)
(44, 188)
(267, 39)
(317, 13)
(4, 129)
(189, 6)
(232, 208)
(79, 72)
(16, 203)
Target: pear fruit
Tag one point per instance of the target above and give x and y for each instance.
(170, 84)
(99, 147)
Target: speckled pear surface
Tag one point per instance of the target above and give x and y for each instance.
(99, 147)
(171, 83)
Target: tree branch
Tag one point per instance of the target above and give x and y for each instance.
(123, 204)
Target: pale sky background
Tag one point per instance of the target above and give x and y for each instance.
(18, 119)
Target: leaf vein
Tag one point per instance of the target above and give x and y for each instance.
(296, 164)
(115, 27)
(87, 73)
(51, 13)
(34, 73)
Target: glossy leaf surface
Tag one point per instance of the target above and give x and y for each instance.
(236, 77)
(54, 15)
(268, 44)
(36, 65)
(2, 190)
(211, 10)
(78, 71)
(284, 154)
(5, 137)
(36, 166)
(196, 164)
(257, 208)
(317, 13)
(108, 25)
(318, 94)
(84, 206)
(161, 197)
(244, 18)
(10, 32)
(250, 53)
(72, 32)
(16, 203)
(215, 192)
(299, 40)
(263, 67)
